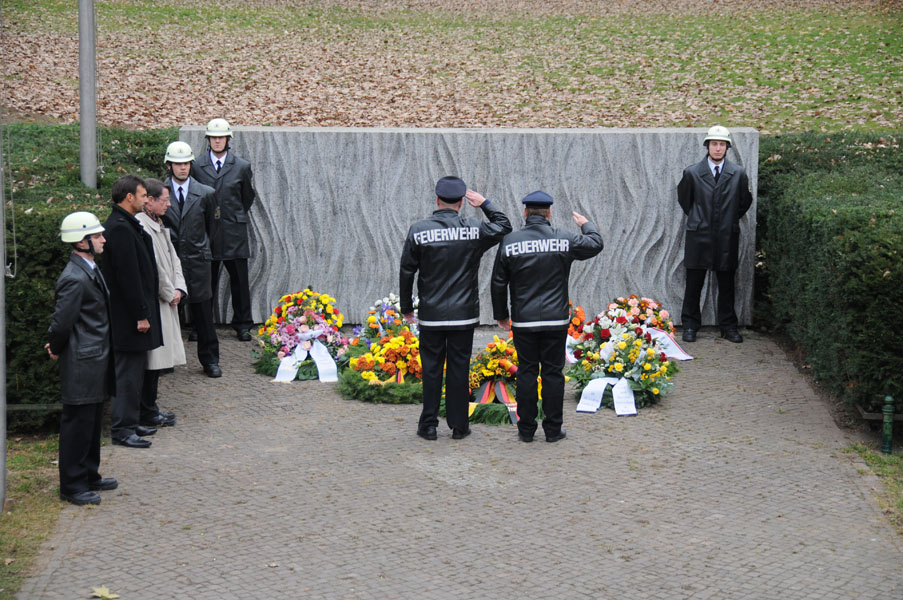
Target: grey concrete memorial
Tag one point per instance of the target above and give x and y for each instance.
(334, 206)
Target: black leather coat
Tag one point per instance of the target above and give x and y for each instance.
(234, 197)
(445, 251)
(713, 214)
(190, 231)
(80, 334)
(131, 274)
(535, 263)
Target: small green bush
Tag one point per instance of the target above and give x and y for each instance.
(831, 229)
(46, 186)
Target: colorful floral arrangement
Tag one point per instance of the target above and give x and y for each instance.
(577, 320)
(644, 310)
(384, 318)
(394, 357)
(616, 344)
(300, 319)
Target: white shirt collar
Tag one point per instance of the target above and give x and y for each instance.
(91, 263)
(176, 186)
(712, 166)
(214, 158)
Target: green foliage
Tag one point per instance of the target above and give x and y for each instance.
(352, 385)
(831, 230)
(889, 467)
(46, 187)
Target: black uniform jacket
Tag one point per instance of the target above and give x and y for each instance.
(234, 197)
(713, 214)
(445, 250)
(130, 270)
(190, 230)
(535, 262)
(80, 334)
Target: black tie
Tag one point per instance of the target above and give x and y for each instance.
(181, 200)
(218, 165)
(717, 174)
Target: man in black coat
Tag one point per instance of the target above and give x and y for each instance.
(131, 274)
(231, 177)
(79, 337)
(444, 252)
(190, 219)
(714, 194)
(535, 263)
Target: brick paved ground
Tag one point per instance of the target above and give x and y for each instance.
(734, 487)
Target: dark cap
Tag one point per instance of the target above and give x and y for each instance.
(538, 198)
(451, 189)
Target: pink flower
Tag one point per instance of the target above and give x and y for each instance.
(290, 329)
(281, 353)
(304, 329)
(632, 302)
(635, 311)
(664, 315)
(306, 344)
(612, 306)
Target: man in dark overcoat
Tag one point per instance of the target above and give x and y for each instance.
(79, 337)
(714, 195)
(190, 220)
(535, 264)
(231, 177)
(443, 251)
(131, 274)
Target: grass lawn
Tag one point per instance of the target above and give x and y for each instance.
(889, 467)
(32, 506)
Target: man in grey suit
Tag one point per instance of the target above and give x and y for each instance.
(80, 340)
(190, 220)
(231, 177)
(714, 194)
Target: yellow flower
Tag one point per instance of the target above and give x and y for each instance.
(638, 343)
(622, 345)
(646, 366)
(650, 352)
(655, 391)
(625, 336)
(619, 367)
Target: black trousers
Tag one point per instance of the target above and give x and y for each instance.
(436, 347)
(149, 408)
(79, 446)
(202, 321)
(540, 353)
(239, 285)
(125, 406)
(690, 313)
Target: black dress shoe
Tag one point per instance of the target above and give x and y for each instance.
(104, 484)
(133, 441)
(559, 436)
(244, 336)
(142, 431)
(524, 437)
(428, 433)
(81, 498)
(460, 435)
(732, 335)
(689, 335)
(213, 370)
(168, 414)
(161, 420)
(193, 335)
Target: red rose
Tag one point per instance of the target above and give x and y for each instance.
(578, 353)
(604, 334)
(622, 320)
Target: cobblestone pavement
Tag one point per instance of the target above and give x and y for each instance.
(735, 486)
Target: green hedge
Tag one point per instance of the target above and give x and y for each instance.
(45, 181)
(831, 230)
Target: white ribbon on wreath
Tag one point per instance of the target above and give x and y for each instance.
(327, 371)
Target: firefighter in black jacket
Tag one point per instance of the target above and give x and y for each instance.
(714, 194)
(445, 250)
(535, 263)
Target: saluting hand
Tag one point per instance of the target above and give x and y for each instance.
(580, 219)
(475, 199)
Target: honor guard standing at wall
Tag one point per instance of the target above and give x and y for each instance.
(535, 263)
(80, 340)
(231, 177)
(131, 274)
(444, 250)
(171, 290)
(714, 194)
(190, 221)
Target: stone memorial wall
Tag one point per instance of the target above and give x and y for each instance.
(334, 206)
